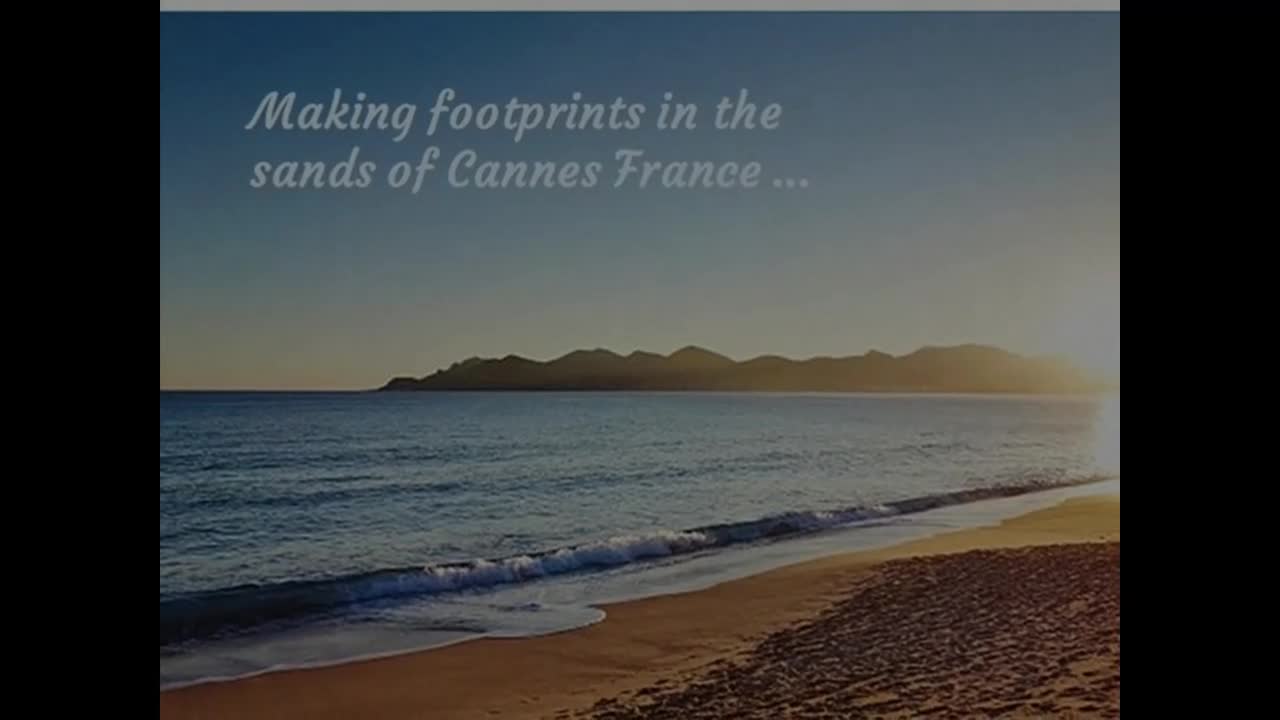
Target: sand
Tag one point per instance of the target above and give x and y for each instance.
(1017, 620)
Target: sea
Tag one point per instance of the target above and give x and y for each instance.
(304, 529)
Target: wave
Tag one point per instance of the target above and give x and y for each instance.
(206, 614)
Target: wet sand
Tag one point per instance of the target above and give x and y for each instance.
(1016, 620)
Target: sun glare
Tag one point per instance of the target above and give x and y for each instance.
(1106, 434)
(1086, 329)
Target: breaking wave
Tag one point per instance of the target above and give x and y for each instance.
(204, 614)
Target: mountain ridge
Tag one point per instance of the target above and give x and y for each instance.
(968, 368)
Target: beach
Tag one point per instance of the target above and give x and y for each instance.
(1019, 619)
(775, 376)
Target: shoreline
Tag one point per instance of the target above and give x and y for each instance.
(801, 536)
(638, 643)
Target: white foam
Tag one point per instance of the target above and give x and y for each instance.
(618, 550)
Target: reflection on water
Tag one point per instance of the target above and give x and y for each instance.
(1106, 434)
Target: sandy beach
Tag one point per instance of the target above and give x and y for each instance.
(1015, 620)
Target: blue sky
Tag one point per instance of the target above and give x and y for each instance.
(963, 178)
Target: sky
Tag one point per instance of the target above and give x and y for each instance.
(963, 185)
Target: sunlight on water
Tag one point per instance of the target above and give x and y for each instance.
(1106, 434)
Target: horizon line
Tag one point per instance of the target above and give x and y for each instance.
(372, 388)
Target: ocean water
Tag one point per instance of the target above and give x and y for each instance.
(309, 528)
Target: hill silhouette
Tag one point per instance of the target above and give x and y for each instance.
(961, 368)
